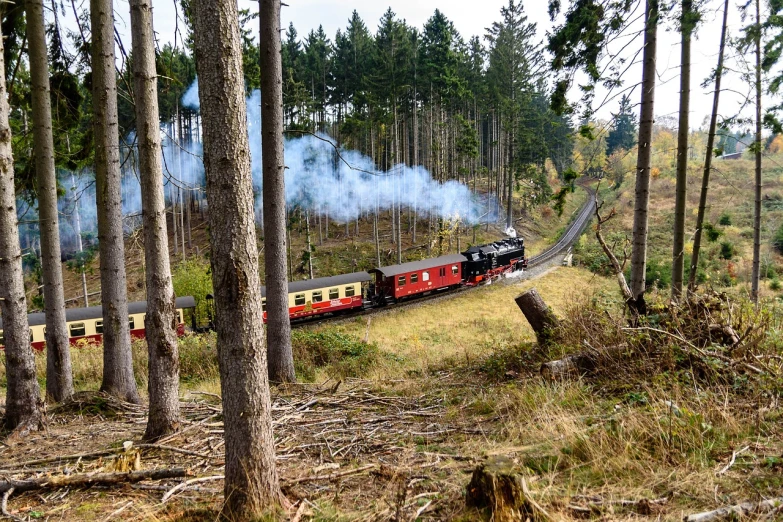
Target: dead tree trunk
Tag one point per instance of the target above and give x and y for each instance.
(538, 314)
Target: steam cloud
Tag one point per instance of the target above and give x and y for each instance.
(344, 186)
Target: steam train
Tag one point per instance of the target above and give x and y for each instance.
(85, 325)
(324, 295)
(390, 284)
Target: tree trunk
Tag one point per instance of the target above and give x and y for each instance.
(59, 379)
(498, 484)
(642, 191)
(705, 180)
(118, 379)
(280, 357)
(754, 291)
(309, 259)
(162, 318)
(251, 484)
(22, 400)
(538, 314)
(678, 254)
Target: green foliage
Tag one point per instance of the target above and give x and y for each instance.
(712, 233)
(658, 273)
(337, 354)
(727, 250)
(778, 241)
(725, 220)
(194, 277)
(623, 132)
(774, 284)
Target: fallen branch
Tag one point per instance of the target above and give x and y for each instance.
(731, 462)
(187, 483)
(330, 476)
(746, 508)
(90, 479)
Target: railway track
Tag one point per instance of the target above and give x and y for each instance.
(571, 234)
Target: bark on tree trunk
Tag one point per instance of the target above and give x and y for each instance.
(280, 356)
(59, 379)
(678, 254)
(251, 483)
(642, 192)
(118, 379)
(538, 314)
(755, 276)
(22, 401)
(162, 317)
(705, 181)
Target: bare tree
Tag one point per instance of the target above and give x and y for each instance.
(280, 356)
(687, 22)
(22, 401)
(251, 483)
(59, 379)
(705, 180)
(642, 192)
(161, 320)
(756, 274)
(118, 377)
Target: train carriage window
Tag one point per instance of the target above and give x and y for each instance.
(31, 336)
(318, 296)
(350, 291)
(454, 269)
(425, 276)
(334, 293)
(401, 280)
(2, 338)
(77, 329)
(299, 299)
(132, 323)
(263, 305)
(414, 278)
(99, 326)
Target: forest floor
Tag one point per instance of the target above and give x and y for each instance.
(456, 381)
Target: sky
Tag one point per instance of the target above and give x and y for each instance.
(472, 18)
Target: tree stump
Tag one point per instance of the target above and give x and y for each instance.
(498, 485)
(538, 314)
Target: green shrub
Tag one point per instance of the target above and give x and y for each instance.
(775, 284)
(725, 220)
(337, 354)
(712, 233)
(658, 273)
(778, 241)
(193, 277)
(727, 250)
(768, 269)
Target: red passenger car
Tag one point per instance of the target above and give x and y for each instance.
(418, 277)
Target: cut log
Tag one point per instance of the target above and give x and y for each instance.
(740, 510)
(538, 314)
(90, 479)
(498, 485)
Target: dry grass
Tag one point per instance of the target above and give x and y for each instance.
(469, 325)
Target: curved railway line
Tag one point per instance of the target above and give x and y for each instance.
(571, 234)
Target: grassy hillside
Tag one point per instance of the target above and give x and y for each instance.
(727, 251)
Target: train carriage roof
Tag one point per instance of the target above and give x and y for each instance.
(324, 282)
(424, 264)
(96, 312)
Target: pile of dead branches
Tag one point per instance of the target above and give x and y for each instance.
(710, 336)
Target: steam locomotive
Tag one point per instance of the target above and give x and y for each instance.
(390, 284)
